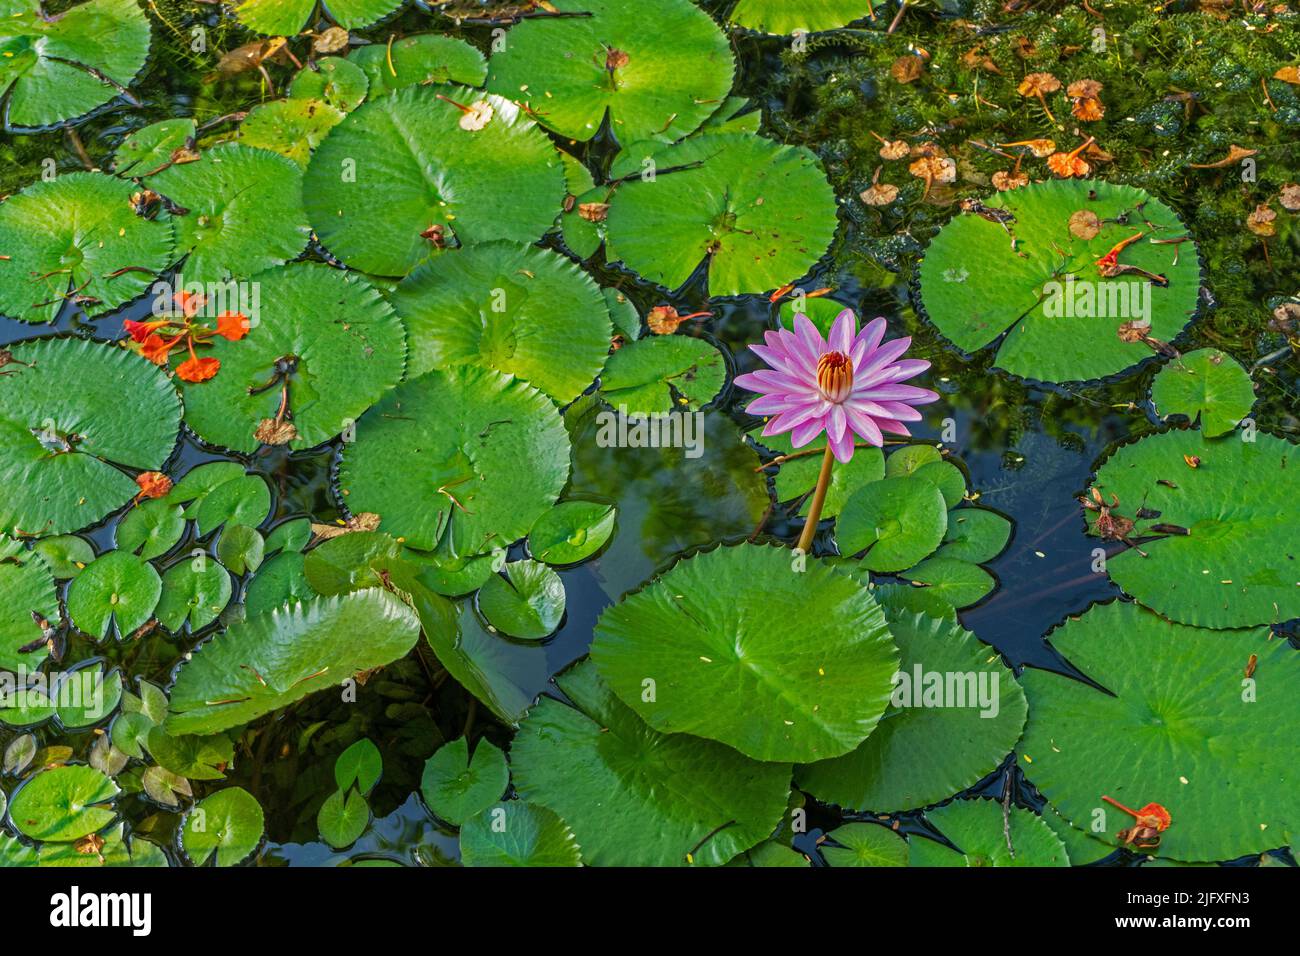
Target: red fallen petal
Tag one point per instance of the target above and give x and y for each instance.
(142, 330)
(153, 484)
(1159, 816)
(156, 349)
(232, 325)
(190, 302)
(198, 369)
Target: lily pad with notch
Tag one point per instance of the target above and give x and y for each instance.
(193, 595)
(977, 829)
(341, 83)
(226, 825)
(118, 589)
(1030, 300)
(28, 586)
(660, 83)
(897, 521)
(63, 804)
(1208, 385)
(456, 787)
(663, 373)
(276, 17)
(525, 601)
(291, 127)
(572, 531)
(419, 60)
(517, 833)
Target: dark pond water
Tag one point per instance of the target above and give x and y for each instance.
(1028, 452)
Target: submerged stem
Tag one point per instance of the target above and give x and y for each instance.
(818, 499)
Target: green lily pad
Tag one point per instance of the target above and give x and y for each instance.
(493, 468)
(360, 764)
(150, 148)
(505, 676)
(975, 534)
(151, 528)
(66, 554)
(1235, 567)
(25, 705)
(957, 582)
(341, 83)
(1205, 383)
(401, 164)
(807, 16)
(63, 421)
(265, 662)
(572, 69)
(191, 756)
(118, 851)
(771, 853)
(362, 559)
(278, 582)
(910, 459)
(975, 827)
(28, 587)
(196, 596)
(516, 833)
(571, 532)
(663, 373)
(956, 712)
(864, 844)
(292, 534)
(347, 350)
(63, 804)
(245, 213)
(507, 307)
(798, 477)
(71, 236)
(232, 498)
(118, 588)
(696, 652)
(760, 213)
(582, 235)
(456, 788)
(228, 823)
(342, 818)
(292, 127)
(634, 796)
(527, 602)
(978, 291)
(1082, 848)
(900, 520)
(1200, 738)
(48, 61)
(276, 17)
(86, 695)
(420, 59)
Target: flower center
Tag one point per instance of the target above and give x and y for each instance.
(835, 376)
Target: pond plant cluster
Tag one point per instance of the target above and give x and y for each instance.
(442, 433)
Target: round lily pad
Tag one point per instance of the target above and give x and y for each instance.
(420, 59)
(328, 334)
(117, 588)
(807, 16)
(363, 559)
(150, 148)
(1208, 384)
(526, 601)
(398, 166)
(341, 83)
(28, 586)
(198, 758)
(761, 214)
(64, 427)
(245, 213)
(228, 823)
(977, 830)
(659, 83)
(71, 237)
(1238, 563)
(516, 833)
(696, 802)
(278, 582)
(489, 471)
(63, 804)
(193, 595)
(864, 844)
(457, 788)
(662, 374)
(86, 695)
(292, 127)
(151, 528)
(1052, 314)
(276, 17)
(955, 713)
(975, 534)
(900, 520)
(48, 60)
(959, 583)
(343, 817)
(1199, 737)
(509, 307)
(66, 554)
(270, 660)
(572, 531)
(696, 652)
(219, 493)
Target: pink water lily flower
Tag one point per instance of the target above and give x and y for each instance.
(847, 385)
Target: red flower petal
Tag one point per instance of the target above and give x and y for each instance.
(198, 369)
(232, 325)
(142, 330)
(156, 349)
(190, 302)
(153, 484)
